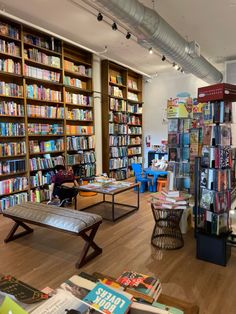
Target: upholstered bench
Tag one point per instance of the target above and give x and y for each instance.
(67, 220)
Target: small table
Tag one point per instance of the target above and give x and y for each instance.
(155, 174)
(109, 206)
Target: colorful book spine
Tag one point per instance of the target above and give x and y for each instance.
(12, 200)
(80, 114)
(81, 158)
(12, 129)
(12, 185)
(41, 74)
(9, 30)
(46, 146)
(41, 57)
(117, 104)
(80, 143)
(85, 170)
(45, 163)
(45, 111)
(11, 89)
(78, 99)
(79, 69)
(12, 149)
(12, 166)
(11, 108)
(45, 129)
(8, 65)
(9, 48)
(40, 92)
(76, 130)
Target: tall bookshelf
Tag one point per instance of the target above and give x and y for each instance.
(121, 119)
(46, 112)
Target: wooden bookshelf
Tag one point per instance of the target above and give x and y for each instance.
(119, 85)
(49, 72)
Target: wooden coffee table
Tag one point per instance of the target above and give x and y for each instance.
(111, 210)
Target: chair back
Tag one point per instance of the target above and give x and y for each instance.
(137, 168)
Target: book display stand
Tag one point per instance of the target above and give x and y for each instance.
(46, 112)
(121, 119)
(213, 175)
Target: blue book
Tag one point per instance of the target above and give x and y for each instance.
(109, 300)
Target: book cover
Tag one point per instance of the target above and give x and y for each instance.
(173, 138)
(203, 178)
(225, 135)
(207, 199)
(208, 113)
(207, 135)
(108, 300)
(173, 125)
(205, 160)
(173, 153)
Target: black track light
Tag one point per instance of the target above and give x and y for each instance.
(100, 17)
(114, 26)
(163, 58)
(128, 35)
(179, 68)
(150, 50)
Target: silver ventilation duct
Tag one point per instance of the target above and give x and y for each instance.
(150, 28)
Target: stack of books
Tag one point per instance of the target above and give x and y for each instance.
(171, 199)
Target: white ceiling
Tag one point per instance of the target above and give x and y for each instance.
(210, 22)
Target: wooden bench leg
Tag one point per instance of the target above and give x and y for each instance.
(12, 236)
(84, 258)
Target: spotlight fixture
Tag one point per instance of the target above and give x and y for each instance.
(182, 71)
(163, 58)
(114, 26)
(179, 68)
(100, 17)
(176, 67)
(128, 35)
(173, 64)
(150, 51)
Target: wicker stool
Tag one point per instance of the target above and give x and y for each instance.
(166, 233)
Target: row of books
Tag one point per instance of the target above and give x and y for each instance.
(180, 169)
(40, 92)
(134, 120)
(81, 158)
(117, 163)
(8, 65)
(117, 79)
(119, 140)
(12, 200)
(40, 179)
(11, 89)
(173, 199)
(120, 174)
(41, 57)
(118, 152)
(134, 150)
(11, 108)
(71, 81)
(214, 201)
(42, 74)
(132, 96)
(135, 160)
(80, 69)
(9, 30)
(117, 104)
(77, 143)
(77, 129)
(118, 128)
(12, 149)
(216, 157)
(13, 185)
(134, 130)
(79, 99)
(216, 224)
(12, 166)
(85, 170)
(217, 112)
(47, 162)
(117, 117)
(45, 111)
(179, 125)
(216, 179)
(46, 146)
(134, 140)
(10, 48)
(12, 129)
(39, 195)
(42, 42)
(135, 108)
(179, 153)
(132, 84)
(115, 91)
(217, 135)
(45, 129)
(80, 114)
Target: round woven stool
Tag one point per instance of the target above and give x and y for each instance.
(166, 233)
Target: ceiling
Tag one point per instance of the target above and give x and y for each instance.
(211, 23)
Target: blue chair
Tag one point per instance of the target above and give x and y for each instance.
(142, 178)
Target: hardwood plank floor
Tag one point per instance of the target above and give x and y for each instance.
(47, 258)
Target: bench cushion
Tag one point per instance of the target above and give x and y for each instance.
(53, 216)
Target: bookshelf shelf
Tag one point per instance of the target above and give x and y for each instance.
(135, 113)
(134, 144)
(9, 38)
(134, 101)
(12, 174)
(64, 64)
(116, 80)
(43, 65)
(4, 54)
(15, 192)
(42, 169)
(51, 52)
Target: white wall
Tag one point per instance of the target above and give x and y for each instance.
(156, 93)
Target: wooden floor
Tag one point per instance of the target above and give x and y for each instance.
(47, 258)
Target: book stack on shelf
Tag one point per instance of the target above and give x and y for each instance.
(214, 174)
(46, 106)
(122, 116)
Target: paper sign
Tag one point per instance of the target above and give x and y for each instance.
(10, 307)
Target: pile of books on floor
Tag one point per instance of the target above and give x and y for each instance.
(131, 292)
(171, 199)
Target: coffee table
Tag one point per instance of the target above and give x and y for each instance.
(111, 210)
